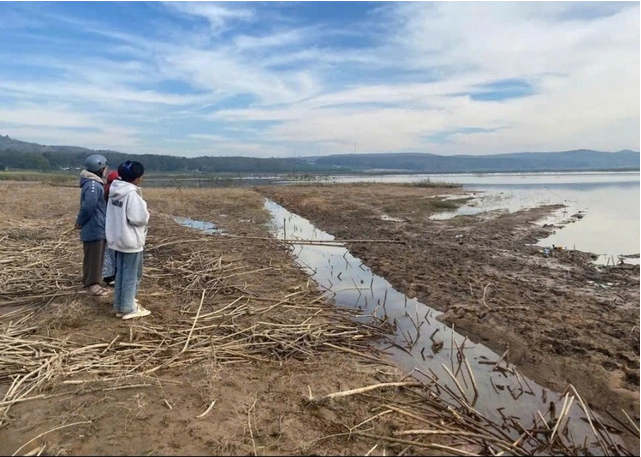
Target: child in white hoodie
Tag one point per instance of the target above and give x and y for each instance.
(126, 230)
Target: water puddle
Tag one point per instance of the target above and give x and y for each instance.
(419, 343)
(206, 227)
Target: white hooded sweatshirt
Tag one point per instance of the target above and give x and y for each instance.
(127, 218)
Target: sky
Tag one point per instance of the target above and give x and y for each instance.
(294, 79)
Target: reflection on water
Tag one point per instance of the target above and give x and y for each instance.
(608, 222)
(610, 203)
(420, 343)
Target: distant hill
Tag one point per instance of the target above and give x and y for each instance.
(579, 160)
(15, 154)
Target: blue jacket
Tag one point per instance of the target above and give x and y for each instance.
(93, 207)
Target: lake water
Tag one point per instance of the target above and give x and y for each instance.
(608, 203)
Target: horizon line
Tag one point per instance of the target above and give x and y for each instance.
(301, 157)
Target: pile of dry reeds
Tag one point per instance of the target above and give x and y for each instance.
(38, 264)
(470, 432)
(225, 320)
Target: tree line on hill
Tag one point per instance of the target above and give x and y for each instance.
(21, 155)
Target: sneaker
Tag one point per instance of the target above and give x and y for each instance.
(137, 306)
(140, 312)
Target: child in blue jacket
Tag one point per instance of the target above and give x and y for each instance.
(91, 222)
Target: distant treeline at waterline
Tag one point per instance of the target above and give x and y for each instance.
(21, 155)
(63, 161)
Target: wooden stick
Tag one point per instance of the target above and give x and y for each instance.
(636, 428)
(624, 424)
(563, 415)
(371, 450)
(207, 410)
(469, 371)
(346, 393)
(587, 413)
(484, 292)
(202, 299)
(36, 451)
(371, 419)
(455, 433)
(47, 432)
(455, 381)
(500, 360)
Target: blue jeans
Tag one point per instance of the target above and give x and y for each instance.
(109, 265)
(128, 276)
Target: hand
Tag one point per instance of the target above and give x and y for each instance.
(77, 226)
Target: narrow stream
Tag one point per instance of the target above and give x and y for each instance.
(419, 343)
(430, 347)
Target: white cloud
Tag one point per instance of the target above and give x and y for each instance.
(393, 92)
(109, 138)
(38, 115)
(208, 137)
(107, 94)
(217, 14)
(585, 72)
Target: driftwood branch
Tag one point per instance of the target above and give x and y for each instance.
(361, 390)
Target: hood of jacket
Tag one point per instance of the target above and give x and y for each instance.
(119, 189)
(112, 176)
(86, 175)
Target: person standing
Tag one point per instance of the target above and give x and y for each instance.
(126, 228)
(91, 223)
(109, 266)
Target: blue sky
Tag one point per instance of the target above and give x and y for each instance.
(294, 79)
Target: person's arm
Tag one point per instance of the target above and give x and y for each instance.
(90, 197)
(137, 213)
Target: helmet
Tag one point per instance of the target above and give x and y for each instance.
(95, 162)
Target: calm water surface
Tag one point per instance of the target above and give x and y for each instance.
(609, 203)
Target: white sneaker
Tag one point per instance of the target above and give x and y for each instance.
(135, 303)
(140, 312)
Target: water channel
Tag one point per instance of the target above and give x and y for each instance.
(419, 343)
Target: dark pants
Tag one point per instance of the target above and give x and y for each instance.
(92, 262)
(128, 276)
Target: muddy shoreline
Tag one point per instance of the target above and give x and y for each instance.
(553, 315)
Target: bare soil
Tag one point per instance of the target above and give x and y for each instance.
(559, 322)
(261, 400)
